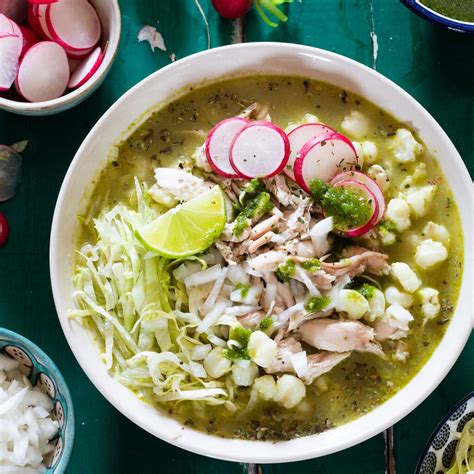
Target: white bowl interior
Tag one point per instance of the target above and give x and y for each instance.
(270, 58)
(109, 14)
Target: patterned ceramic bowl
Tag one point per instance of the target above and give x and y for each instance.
(43, 373)
(439, 451)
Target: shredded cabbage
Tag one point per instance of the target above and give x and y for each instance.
(464, 454)
(136, 306)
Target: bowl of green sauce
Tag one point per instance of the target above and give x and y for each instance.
(456, 15)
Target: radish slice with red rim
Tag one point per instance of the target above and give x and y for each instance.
(259, 150)
(42, 2)
(5, 25)
(43, 73)
(365, 227)
(33, 20)
(40, 14)
(217, 146)
(369, 183)
(74, 24)
(14, 9)
(10, 50)
(323, 157)
(86, 69)
(30, 38)
(298, 137)
(79, 55)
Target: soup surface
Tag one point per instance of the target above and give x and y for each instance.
(459, 9)
(141, 305)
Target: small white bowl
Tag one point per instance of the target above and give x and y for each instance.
(109, 14)
(255, 58)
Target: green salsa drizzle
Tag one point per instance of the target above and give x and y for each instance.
(312, 265)
(244, 289)
(255, 208)
(316, 303)
(349, 207)
(366, 290)
(286, 271)
(240, 335)
(266, 323)
(251, 189)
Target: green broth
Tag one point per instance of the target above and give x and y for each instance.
(458, 9)
(363, 381)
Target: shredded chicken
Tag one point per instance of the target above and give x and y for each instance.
(251, 320)
(372, 262)
(323, 362)
(282, 361)
(278, 187)
(318, 364)
(336, 336)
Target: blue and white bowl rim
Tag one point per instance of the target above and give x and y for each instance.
(438, 18)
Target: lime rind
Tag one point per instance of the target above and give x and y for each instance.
(189, 228)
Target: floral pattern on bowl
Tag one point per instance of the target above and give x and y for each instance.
(43, 373)
(439, 451)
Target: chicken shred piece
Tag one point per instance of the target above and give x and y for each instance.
(335, 335)
(372, 262)
(318, 364)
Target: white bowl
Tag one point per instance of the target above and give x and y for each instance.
(270, 58)
(109, 14)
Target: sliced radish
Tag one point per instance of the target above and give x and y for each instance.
(218, 144)
(14, 9)
(43, 73)
(74, 24)
(369, 183)
(259, 150)
(86, 69)
(298, 137)
(33, 20)
(79, 55)
(30, 38)
(372, 220)
(323, 157)
(9, 26)
(73, 64)
(5, 24)
(10, 49)
(40, 14)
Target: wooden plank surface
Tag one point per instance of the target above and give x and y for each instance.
(426, 61)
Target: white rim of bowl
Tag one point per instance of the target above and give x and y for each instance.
(87, 88)
(395, 408)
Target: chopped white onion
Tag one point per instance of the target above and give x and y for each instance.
(212, 317)
(319, 235)
(299, 362)
(26, 425)
(205, 276)
(284, 316)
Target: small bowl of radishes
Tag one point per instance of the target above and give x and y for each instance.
(55, 53)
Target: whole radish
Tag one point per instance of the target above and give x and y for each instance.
(232, 9)
(14, 9)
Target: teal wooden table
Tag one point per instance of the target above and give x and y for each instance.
(433, 65)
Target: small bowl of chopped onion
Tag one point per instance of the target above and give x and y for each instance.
(36, 412)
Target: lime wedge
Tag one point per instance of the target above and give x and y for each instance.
(188, 228)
